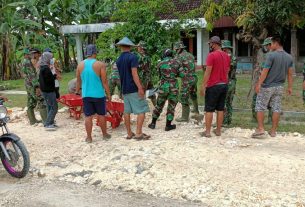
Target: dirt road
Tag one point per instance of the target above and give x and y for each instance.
(42, 193)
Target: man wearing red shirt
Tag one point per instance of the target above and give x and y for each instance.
(215, 85)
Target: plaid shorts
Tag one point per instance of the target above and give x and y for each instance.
(272, 96)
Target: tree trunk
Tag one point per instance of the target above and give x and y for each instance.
(257, 60)
(66, 54)
(5, 58)
(60, 58)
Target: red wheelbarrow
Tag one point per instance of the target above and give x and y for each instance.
(75, 104)
(115, 111)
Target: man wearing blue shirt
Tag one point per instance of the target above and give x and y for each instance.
(92, 80)
(132, 89)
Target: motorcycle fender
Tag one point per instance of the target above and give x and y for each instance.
(10, 136)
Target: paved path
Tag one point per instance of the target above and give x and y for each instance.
(13, 92)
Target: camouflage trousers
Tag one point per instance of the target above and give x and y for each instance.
(153, 97)
(34, 100)
(229, 103)
(171, 96)
(254, 114)
(188, 90)
(115, 83)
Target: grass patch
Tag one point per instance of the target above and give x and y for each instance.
(16, 101)
(12, 85)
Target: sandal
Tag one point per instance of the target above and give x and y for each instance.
(106, 136)
(142, 137)
(204, 134)
(218, 134)
(272, 134)
(257, 134)
(132, 136)
(88, 140)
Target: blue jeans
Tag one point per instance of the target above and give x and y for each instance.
(52, 107)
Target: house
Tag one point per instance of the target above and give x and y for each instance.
(196, 43)
(226, 28)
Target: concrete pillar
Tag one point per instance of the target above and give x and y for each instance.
(294, 47)
(199, 47)
(79, 48)
(234, 44)
(205, 48)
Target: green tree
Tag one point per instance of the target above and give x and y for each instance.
(13, 26)
(139, 20)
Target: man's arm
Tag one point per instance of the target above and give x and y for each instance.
(78, 79)
(105, 80)
(137, 81)
(290, 80)
(261, 80)
(206, 78)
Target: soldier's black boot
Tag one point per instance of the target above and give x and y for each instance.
(169, 126)
(152, 125)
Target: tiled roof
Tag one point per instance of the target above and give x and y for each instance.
(182, 6)
(224, 22)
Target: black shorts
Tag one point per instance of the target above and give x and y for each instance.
(94, 106)
(215, 97)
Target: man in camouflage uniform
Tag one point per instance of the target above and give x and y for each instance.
(114, 80)
(266, 48)
(144, 69)
(169, 70)
(227, 47)
(31, 85)
(189, 82)
(304, 83)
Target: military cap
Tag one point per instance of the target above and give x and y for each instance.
(178, 45)
(142, 44)
(267, 41)
(226, 44)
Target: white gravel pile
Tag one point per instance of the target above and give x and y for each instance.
(232, 170)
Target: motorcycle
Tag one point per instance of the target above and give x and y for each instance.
(13, 153)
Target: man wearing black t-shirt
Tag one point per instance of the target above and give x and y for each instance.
(132, 89)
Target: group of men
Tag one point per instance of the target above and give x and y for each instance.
(41, 75)
(133, 74)
(168, 88)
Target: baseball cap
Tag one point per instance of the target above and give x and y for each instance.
(215, 39)
(90, 50)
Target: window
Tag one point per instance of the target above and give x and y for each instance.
(301, 39)
(244, 49)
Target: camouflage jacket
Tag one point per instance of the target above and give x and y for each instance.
(169, 70)
(188, 62)
(144, 69)
(30, 75)
(233, 67)
(115, 75)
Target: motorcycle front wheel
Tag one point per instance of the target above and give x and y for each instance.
(19, 163)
